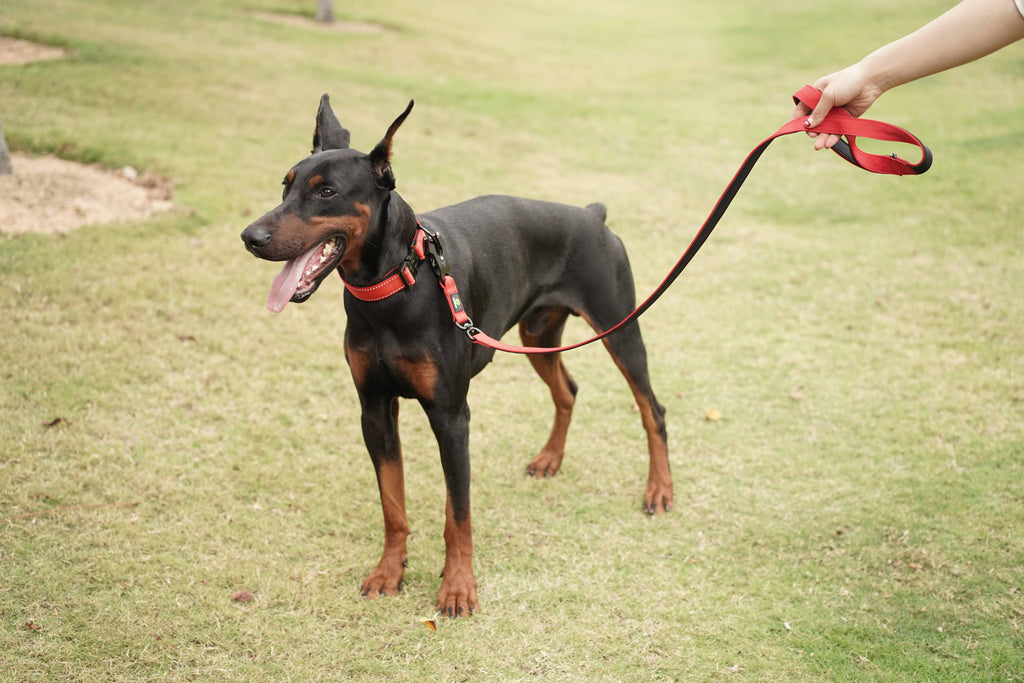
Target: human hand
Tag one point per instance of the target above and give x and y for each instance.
(849, 89)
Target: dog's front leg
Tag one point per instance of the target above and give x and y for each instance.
(458, 586)
(380, 432)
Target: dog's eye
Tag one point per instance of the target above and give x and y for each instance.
(325, 193)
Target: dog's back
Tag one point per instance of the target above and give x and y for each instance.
(540, 253)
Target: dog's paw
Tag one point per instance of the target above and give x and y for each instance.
(545, 465)
(386, 580)
(458, 594)
(658, 499)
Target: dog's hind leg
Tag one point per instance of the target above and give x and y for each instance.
(543, 327)
(607, 298)
(627, 350)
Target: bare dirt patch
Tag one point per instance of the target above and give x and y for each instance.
(15, 51)
(51, 195)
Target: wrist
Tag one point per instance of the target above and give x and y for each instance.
(878, 74)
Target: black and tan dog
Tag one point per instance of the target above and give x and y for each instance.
(515, 261)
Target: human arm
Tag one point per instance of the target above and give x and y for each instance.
(968, 31)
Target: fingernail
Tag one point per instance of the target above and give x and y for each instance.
(807, 123)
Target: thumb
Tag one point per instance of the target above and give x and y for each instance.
(824, 106)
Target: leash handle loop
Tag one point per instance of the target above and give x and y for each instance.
(837, 122)
(841, 122)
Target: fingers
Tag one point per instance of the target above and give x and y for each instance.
(812, 118)
(824, 106)
(828, 101)
(825, 141)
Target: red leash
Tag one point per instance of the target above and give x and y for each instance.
(838, 122)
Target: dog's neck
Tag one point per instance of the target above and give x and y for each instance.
(387, 241)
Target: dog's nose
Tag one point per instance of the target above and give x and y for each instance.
(255, 237)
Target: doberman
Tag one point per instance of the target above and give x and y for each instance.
(515, 261)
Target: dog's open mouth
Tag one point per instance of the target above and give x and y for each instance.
(302, 275)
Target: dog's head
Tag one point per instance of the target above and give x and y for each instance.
(330, 205)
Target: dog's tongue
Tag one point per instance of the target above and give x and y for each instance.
(287, 281)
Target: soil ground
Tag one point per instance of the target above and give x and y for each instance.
(47, 194)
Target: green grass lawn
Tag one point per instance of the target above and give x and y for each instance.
(856, 514)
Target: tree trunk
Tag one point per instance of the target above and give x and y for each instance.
(5, 153)
(325, 11)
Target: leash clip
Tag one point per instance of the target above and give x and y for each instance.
(435, 252)
(470, 329)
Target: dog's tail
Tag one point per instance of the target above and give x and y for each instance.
(599, 209)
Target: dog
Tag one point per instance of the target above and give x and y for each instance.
(514, 260)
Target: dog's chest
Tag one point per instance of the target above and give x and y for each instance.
(387, 365)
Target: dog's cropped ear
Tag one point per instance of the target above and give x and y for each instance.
(380, 157)
(329, 133)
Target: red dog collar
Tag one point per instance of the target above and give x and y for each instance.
(398, 279)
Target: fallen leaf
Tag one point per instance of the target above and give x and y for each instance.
(430, 623)
(54, 422)
(32, 626)
(713, 415)
(243, 596)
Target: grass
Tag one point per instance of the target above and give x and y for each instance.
(165, 442)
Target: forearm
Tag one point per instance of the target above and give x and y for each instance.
(968, 31)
